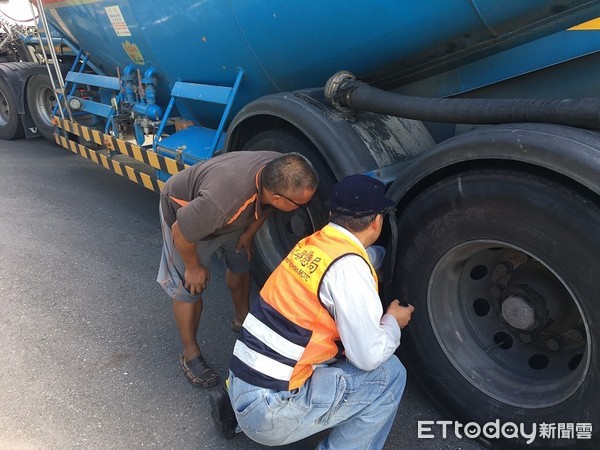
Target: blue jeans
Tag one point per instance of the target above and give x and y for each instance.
(358, 406)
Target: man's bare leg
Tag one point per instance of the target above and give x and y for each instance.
(239, 286)
(187, 316)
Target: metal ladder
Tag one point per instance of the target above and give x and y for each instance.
(52, 66)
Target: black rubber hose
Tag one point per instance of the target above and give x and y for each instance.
(351, 93)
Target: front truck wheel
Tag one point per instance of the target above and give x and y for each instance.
(282, 230)
(503, 270)
(41, 101)
(10, 122)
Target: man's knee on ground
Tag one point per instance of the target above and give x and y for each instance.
(397, 373)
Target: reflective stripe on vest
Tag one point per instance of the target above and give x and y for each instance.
(289, 330)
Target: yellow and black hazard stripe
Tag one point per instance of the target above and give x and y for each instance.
(88, 134)
(111, 164)
(134, 151)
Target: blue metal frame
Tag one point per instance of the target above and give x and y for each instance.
(61, 96)
(228, 105)
(101, 81)
(94, 80)
(99, 109)
(206, 93)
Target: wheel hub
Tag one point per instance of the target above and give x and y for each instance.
(523, 309)
(519, 313)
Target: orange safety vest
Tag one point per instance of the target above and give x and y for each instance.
(289, 330)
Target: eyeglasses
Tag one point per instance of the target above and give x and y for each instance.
(303, 205)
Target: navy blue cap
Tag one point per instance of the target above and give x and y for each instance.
(358, 196)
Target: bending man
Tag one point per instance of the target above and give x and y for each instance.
(217, 206)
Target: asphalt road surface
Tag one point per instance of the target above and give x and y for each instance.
(88, 346)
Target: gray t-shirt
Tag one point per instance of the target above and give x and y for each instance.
(217, 196)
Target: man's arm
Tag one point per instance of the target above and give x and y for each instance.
(246, 238)
(196, 275)
(369, 336)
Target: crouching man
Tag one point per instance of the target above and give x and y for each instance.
(316, 351)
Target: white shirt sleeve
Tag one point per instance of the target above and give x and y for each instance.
(348, 291)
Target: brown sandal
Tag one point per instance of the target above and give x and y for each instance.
(198, 372)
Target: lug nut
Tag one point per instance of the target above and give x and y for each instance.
(525, 338)
(496, 291)
(553, 345)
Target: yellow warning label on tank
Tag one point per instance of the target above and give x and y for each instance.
(133, 52)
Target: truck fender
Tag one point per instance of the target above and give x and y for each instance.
(569, 152)
(16, 75)
(360, 143)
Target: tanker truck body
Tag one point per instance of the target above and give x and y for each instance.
(479, 115)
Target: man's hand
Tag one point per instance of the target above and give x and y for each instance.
(196, 275)
(402, 314)
(196, 279)
(245, 243)
(246, 238)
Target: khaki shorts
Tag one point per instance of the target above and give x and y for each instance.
(171, 270)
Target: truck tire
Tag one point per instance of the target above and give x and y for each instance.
(282, 230)
(10, 122)
(41, 101)
(503, 269)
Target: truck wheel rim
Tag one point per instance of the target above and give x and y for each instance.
(45, 101)
(4, 110)
(509, 324)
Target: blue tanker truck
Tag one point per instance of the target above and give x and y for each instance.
(481, 116)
